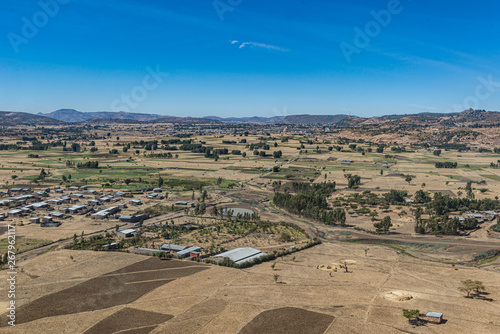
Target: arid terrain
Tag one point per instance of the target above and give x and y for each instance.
(312, 202)
(184, 297)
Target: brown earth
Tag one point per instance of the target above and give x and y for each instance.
(288, 320)
(108, 290)
(128, 318)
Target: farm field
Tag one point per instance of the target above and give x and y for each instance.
(182, 297)
(411, 223)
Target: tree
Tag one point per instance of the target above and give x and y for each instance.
(408, 178)
(411, 315)
(127, 181)
(366, 251)
(469, 286)
(468, 190)
(421, 197)
(437, 153)
(42, 175)
(14, 177)
(160, 182)
(384, 225)
(276, 276)
(215, 211)
(273, 265)
(352, 180)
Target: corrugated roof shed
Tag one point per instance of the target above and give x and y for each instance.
(172, 247)
(241, 255)
(434, 314)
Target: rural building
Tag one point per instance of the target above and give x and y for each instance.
(46, 219)
(105, 213)
(77, 209)
(153, 195)
(147, 251)
(133, 219)
(240, 255)
(93, 202)
(126, 233)
(135, 202)
(385, 166)
(188, 251)
(172, 248)
(5, 202)
(434, 317)
(56, 201)
(41, 205)
(106, 198)
(35, 220)
(56, 214)
(15, 212)
(112, 245)
(157, 190)
(181, 203)
(45, 190)
(51, 224)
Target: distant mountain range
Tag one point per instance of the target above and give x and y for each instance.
(65, 116)
(13, 118)
(72, 116)
(254, 119)
(313, 119)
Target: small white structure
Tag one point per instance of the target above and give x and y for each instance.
(240, 255)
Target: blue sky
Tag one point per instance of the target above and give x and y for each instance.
(250, 57)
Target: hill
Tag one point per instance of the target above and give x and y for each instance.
(10, 118)
(73, 116)
(313, 119)
(254, 119)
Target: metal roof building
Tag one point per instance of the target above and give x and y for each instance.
(187, 251)
(172, 247)
(241, 255)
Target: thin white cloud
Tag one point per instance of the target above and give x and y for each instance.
(259, 45)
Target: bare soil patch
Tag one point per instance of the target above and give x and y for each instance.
(398, 296)
(288, 320)
(128, 318)
(107, 290)
(143, 330)
(151, 264)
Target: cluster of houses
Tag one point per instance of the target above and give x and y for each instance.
(481, 218)
(27, 202)
(237, 255)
